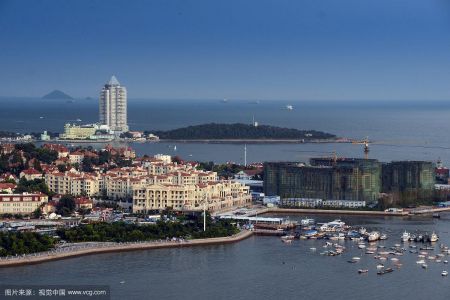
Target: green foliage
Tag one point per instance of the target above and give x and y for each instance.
(12, 243)
(33, 186)
(66, 205)
(43, 155)
(215, 131)
(124, 232)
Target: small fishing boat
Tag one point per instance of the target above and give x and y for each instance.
(444, 273)
(380, 266)
(385, 271)
(363, 271)
(424, 266)
(406, 236)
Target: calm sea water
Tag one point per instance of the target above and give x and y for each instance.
(254, 269)
(401, 130)
(257, 268)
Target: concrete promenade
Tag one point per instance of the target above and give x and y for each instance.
(81, 249)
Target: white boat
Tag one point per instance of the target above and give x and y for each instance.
(424, 266)
(356, 258)
(306, 222)
(434, 237)
(288, 237)
(332, 226)
(373, 236)
(383, 237)
(444, 273)
(420, 262)
(361, 246)
(406, 236)
(445, 261)
(312, 249)
(78, 120)
(380, 266)
(289, 107)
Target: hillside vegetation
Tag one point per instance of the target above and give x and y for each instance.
(238, 131)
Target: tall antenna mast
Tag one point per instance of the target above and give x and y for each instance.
(245, 155)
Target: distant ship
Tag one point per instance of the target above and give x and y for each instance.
(289, 107)
(225, 100)
(78, 120)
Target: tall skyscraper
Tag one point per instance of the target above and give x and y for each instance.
(113, 106)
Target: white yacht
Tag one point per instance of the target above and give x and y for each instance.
(406, 236)
(434, 237)
(306, 222)
(374, 236)
(289, 107)
(444, 273)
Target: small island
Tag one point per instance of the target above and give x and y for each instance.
(238, 132)
(57, 94)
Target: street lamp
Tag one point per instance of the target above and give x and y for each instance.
(205, 199)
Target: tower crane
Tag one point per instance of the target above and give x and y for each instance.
(366, 143)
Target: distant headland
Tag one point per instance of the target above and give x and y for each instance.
(57, 94)
(238, 132)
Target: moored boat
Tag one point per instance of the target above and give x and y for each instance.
(385, 271)
(406, 236)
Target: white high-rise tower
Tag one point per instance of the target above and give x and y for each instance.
(113, 106)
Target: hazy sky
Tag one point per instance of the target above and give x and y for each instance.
(246, 49)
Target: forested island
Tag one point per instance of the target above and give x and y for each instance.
(238, 131)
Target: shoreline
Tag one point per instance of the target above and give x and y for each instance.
(5, 263)
(253, 141)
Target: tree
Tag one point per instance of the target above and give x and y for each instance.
(66, 205)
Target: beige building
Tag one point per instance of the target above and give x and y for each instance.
(153, 186)
(78, 132)
(218, 196)
(21, 203)
(74, 183)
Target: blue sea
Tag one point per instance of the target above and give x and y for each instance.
(400, 130)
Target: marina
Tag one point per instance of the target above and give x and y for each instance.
(296, 264)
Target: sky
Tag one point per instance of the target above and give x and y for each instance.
(363, 50)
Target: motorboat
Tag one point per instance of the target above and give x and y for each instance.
(385, 271)
(306, 222)
(288, 237)
(380, 266)
(434, 237)
(373, 236)
(425, 266)
(383, 237)
(363, 271)
(406, 236)
(420, 262)
(361, 246)
(444, 273)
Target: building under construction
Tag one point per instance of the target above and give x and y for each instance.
(325, 178)
(350, 179)
(409, 182)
